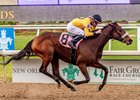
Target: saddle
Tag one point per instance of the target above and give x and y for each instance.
(65, 37)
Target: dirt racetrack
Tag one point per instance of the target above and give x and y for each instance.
(28, 91)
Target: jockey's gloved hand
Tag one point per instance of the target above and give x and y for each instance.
(97, 31)
(84, 37)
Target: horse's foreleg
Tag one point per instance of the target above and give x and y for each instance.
(55, 66)
(99, 65)
(84, 71)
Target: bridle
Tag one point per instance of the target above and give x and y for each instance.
(122, 37)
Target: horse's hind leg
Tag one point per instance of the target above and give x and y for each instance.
(43, 69)
(55, 66)
(45, 51)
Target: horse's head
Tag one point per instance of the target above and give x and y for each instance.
(114, 31)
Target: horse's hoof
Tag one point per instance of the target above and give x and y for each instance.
(73, 89)
(58, 86)
(101, 87)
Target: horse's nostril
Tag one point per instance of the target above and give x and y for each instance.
(131, 41)
(128, 42)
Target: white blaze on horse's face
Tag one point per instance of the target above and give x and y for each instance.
(127, 39)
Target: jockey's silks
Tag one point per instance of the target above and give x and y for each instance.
(85, 24)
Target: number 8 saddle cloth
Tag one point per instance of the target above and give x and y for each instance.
(65, 37)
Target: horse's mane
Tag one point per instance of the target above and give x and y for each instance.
(93, 37)
(104, 27)
(108, 24)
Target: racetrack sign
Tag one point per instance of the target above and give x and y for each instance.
(120, 72)
(6, 39)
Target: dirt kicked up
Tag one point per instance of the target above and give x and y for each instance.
(29, 91)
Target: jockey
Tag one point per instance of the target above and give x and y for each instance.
(80, 28)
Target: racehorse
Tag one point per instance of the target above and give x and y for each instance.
(88, 54)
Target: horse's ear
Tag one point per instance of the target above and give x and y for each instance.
(115, 22)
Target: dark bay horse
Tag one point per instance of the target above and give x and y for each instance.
(88, 54)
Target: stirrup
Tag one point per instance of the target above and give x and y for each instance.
(71, 45)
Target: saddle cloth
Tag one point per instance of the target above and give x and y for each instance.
(65, 37)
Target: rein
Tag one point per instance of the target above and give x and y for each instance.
(114, 29)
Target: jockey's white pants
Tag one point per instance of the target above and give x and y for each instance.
(74, 30)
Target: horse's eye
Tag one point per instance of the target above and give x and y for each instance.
(120, 30)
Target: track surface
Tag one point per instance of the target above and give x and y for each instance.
(28, 91)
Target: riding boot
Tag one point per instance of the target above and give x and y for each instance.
(73, 42)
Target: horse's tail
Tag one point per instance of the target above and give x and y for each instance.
(27, 51)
